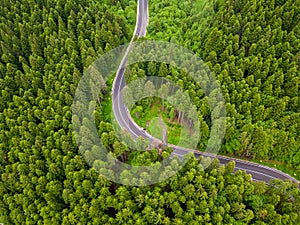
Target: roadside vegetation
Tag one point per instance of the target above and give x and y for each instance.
(253, 49)
(45, 47)
(150, 118)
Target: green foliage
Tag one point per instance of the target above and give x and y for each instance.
(255, 56)
(45, 46)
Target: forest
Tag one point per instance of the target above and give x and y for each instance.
(253, 49)
(47, 45)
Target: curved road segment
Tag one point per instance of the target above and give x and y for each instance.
(258, 172)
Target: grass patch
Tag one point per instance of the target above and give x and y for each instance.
(149, 118)
(155, 128)
(107, 108)
(106, 102)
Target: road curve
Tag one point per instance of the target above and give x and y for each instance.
(122, 116)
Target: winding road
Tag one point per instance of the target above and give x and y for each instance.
(258, 172)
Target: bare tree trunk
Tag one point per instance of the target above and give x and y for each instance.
(99, 101)
(191, 123)
(182, 116)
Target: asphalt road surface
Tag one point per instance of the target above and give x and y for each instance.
(122, 116)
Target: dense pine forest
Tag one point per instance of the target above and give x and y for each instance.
(253, 49)
(46, 45)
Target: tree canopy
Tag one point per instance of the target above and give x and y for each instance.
(45, 47)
